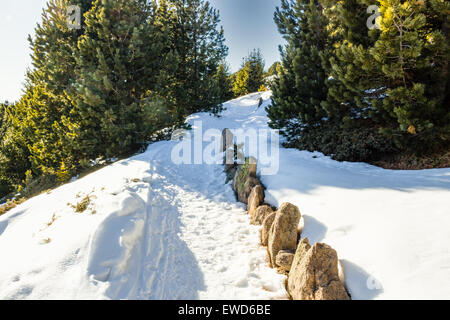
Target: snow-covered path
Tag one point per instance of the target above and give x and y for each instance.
(157, 230)
(201, 238)
(153, 230)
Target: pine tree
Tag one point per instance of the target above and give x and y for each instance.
(413, 52)
(396, 77)
(274, 69)
(200, 45)
(118, 97)
(224, 84)
(240, 83)
(300, 88)
(14, 153)
(45, 112)
(251, 75)
(256, 64)
(353, 76)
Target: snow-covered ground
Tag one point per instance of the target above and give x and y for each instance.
(157, 230)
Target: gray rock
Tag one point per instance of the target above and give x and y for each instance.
(227, 140)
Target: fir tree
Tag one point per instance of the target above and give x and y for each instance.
(224, 84)
(14, 153)
(413, 54)
(44, 114)
(250, 77)
(300, 89)
(120, 57)
(274, 69)
(200, 45)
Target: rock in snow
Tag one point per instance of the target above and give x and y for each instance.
(265, 230)
(261, 214)
(314, 274)
(283, 234)
(255, 199)
(245, 180)
(284, 259)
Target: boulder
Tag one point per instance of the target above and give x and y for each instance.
(230, 171)
(255, 199)
(314, 274)
(245, 180)
(302, 248)
(284, 260)
(267, 224)
(261, 214)
(283, 234)
(227, 142)
(252, 166)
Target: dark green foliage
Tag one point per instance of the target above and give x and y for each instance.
(224, 83)
(13, 152)
(300, 88)
(413, 52)
(3, 118)
(134, 68)
(353, 77)
(337, 75)
(117, 99)
(200, 45)
(255, 63)
(359, 142)
(5, 187)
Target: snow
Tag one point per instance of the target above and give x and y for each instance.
(157, 230)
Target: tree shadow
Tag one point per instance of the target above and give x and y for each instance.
(9, 217)
(177, 275)
(305, 171)
(160, 265)
(3, 226)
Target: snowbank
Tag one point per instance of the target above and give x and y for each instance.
(156, 230)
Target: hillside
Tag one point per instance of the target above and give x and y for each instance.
(151, 229)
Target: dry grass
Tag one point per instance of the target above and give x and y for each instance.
(54, 218)
(83, 204)
(10, 204)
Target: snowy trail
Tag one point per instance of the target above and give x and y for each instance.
(201, 238)
(157, 230)
(153, 230)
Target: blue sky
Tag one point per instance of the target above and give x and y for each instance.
(248, 24)
(17, 20)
